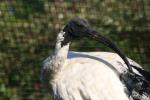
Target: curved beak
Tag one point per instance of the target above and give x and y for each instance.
(98, 37)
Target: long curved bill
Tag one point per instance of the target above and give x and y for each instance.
(96, 36)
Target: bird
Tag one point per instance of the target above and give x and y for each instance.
(73, 75)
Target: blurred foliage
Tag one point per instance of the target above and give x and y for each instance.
(28, 29)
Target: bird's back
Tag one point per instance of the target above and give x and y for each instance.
(90, 76)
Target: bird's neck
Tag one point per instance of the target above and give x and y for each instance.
(60, 55)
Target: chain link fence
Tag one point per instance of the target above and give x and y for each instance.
(28, 29)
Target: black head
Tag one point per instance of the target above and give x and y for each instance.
(76, 28)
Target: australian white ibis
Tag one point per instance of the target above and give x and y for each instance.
(72, 75)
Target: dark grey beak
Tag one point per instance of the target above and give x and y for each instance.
(98, 37)
(79, 28)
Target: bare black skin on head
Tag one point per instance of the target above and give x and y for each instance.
(78, 28)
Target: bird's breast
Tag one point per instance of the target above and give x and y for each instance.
(86, 77)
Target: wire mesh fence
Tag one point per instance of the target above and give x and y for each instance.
(28, 29)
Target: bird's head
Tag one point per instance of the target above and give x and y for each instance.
(76, 28)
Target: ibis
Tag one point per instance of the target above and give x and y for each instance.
(72, 75)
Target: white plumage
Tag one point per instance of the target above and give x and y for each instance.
(84, 75)
(89, 76)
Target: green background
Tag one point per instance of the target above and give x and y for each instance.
(28, 30)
